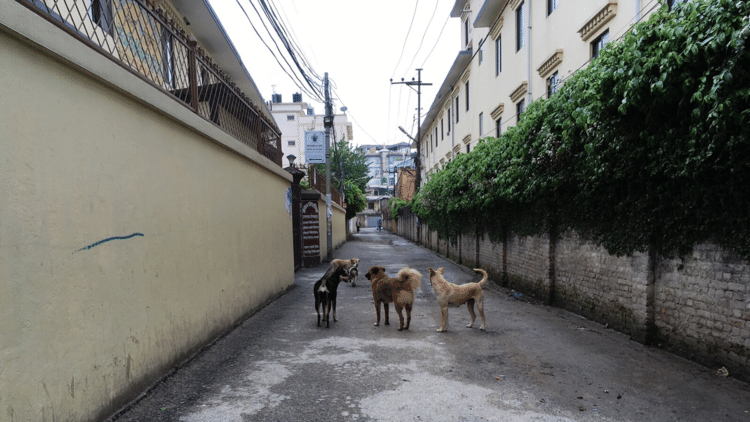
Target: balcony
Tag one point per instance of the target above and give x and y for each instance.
(147, 41)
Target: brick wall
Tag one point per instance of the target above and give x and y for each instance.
(702, 308)
(697, 307)
(528, 265)
(605, 288)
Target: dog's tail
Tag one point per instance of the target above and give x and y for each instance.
(410, 278)
(484, 275)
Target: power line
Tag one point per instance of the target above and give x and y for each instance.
(414, 15)
(424, 35)
(302, 80)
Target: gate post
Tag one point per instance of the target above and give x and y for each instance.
(297, 175)
(310, 229)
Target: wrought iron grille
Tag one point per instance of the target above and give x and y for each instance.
(142, 38)
(318, 182)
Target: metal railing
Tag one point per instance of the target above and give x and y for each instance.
(318, 182)
(142, 38)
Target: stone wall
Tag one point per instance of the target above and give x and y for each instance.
(697, 307)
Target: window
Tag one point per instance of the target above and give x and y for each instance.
(498, 131)
(520, 108)
(449, 120)
(481, 124)
(457, 109)
(168, 58)
(599, 43)
(520, 27)
(436, 137)
(290, 143)
(498, 56)
(467, 95)
(289, 117)
(466, 31)
(552, 84)
(552, 5)
(371, 205)
(468, 148)
(442, 132)
(101, 14)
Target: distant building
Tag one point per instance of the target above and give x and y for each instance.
(297, 117)
(383, 162)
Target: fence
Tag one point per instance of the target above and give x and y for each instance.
(697, 306)
(318, 182)
(145, 40)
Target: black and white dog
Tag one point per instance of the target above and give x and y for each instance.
(325, 293)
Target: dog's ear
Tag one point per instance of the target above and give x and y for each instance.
(375, 270)
(432, 272)
(441, 270)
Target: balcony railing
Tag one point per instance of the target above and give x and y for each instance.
(318, 182)
(142, 38)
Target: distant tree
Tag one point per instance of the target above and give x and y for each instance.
(346, 158)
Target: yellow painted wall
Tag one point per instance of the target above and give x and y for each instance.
(86, 329)
(338, 226)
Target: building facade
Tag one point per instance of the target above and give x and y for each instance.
(383, 162)
(515, 52)
(142, 199)
(297, 117)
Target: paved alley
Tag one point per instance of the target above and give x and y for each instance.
(532, 363)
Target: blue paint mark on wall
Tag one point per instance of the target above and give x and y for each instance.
(107, 240)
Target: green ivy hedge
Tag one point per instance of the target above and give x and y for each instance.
(647, 147)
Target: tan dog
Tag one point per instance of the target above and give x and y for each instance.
(346, 264)
(449, 294)
(399, 290)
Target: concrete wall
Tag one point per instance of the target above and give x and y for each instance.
(697, 306)
(338, 226)
(132, 231)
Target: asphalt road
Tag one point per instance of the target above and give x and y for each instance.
(532, 363)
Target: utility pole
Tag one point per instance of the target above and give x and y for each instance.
(327, 124)
(418, 159)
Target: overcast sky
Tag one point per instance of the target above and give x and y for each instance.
(362, 45)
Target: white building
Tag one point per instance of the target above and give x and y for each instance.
(515, 52)
(297, 117)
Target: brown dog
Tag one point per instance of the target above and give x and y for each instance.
(399, 290)
(449, 294)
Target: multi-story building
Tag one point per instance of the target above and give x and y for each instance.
(383, 162)
(297, 117)
(515, 52)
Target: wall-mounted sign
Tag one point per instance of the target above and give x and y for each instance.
(315, 147)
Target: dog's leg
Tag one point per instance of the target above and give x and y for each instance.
(480, 306)
(334, 311)
(385, 311)
(443, 319)
(326, 312)
(377, 313)
(317, 308)
(470, 307)
(400, 316)
(408, 315)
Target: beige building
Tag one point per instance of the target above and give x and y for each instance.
(297, 117)
(143, 206)
(515, 52)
